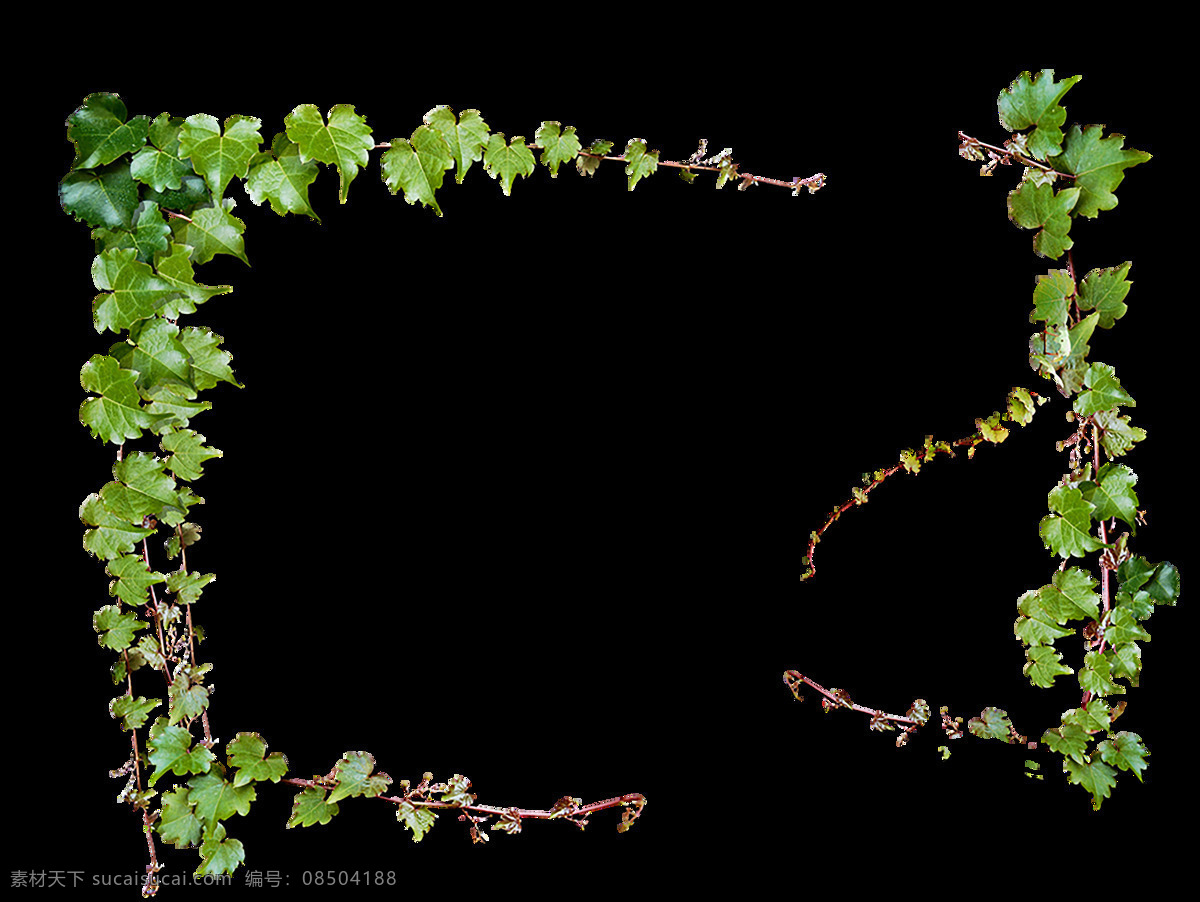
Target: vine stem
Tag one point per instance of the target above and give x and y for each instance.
(792, 678)
(1012, 155)
(631, 798)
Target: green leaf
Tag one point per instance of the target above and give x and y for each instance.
(417, 166)
(558, 145)
(160, 170)
(418, 820)
(1104, 290)
(1052, 297)
(134, 290)
(132, 579)
(1036, 625)
(466, 137)
(1034, 206)
(1126, 751)
(110, 534)
(155, 353)
(1102, 391)
(639, 162)
(1121, 627)
(148, 235)
(1096, 675)
(171, 752)
(247, 752)
(100, 133)
(1096, 777)
(132, 712)
(345, 142)
(1069, 740)
(1117, 436)
(1043, 664)
(176, 270)
(457, 791)
(992, 723)
(187, 453)
(210, 364)
(187, 586)
(1071, 595)
(177, 824)
(101, 197)
(1036, 103)
(282, 178)
(115, 627)
(188, 697)
(1112, 493)
(310, 807)
(141, 489)
(1098, 165)
(218, 854)
(353, 773)
(212, 231)
(217, 156)
(505, 161)
(587, 165)
(1067, 531)
(215, 799)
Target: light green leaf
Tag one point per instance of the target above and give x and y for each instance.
(210, 364)
(1126, 751)
(1112, 494)
(1067, 531)
(345, 142)
(1034, 206)
(558, 145)
(132, 712)
(134, 290)
(177, 824)
(247, 752)
(176, 270)
(1095, 776)
(218, 854)
(1043, 663)
(212, 231)
(147, 236)
(110, 534)
(171, 752)
(219, 157)
(1117, 436)
(353, 773)
(418, 820)
(504, 161)
(215, 799)
(1096, 675)
(1098, 165)
(187, 453)
(992, 723)
(1104, 290)
(282, 178)
(466, 137)
(310, 807)
(417, 166)
(1102, 391)
(1036, 103)
(1036, 625)
(1052, 297)
(132, 579)
(639, 162)
(115, 627)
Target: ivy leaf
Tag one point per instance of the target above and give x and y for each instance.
(418, 820)
(110, 535)
(310, 807)
(466, 137)
(1104, 290)
(1112, 494)
(1036, 102)
(100, 133)
(176, 270)
(154, 352)
(210, 364)
(100, 197)
(1033, 206)
(587, 165)
(457, 791)
(218, 854)
(132, 579)
(1052, 297)
(215, 799)
(1102, 391)
(216, 156)
(132, 712)
(211, 231)
(353, 773)
(159, 166)
(140, 489)
(188, 698)
(1043, 663)
(417, 166)
(639, 163)
(187, 586)
(505, 161)
(1067, 531)
(1069, 740)
(992, 723)
(247, 752)
(1098, 165)
(147, 236)
(282, 178)
(133, 289)
(1125, 662)
(1126, 751)
(1036, 625)
(558, 145)
(1071, 595)
(1095, 776)
(1121, 627)
(115, 627)
(1117, 436)
(1096, 675)
(345, 142)
(177, 824)
(187, 453)
(171, 752)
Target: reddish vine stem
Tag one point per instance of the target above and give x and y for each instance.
(1007, 155)
(838, 699)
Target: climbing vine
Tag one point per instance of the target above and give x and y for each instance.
(1094, 509)
(156, 194)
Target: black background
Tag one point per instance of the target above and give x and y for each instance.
(522, 492)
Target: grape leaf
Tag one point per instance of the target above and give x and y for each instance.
(188, 585)
(1034, 206)
(505, 161)
(1121, 627)
(100, 133)
(417, 166)
(1036, 102)
(141, 488)
(1036, 625)
(282, 178)
(558, 145)
(1125, 661)
(1052, 297)
(187, 453)
(1104, 290)
(132, 579)
(110, 535)
(218, 854)
(1096, 675)
(638, 162)
(188, 698)
(215, 799)
(216, 156)
(466, 137)
(1095, 776)
(418, 820)
(1126, 751)
(100, 197)
(115, 627)
(1112, 494)
(354, 777)
(177, 824)
(1067, 530)
(1069, 740)
(992, 723)
(247, 752)
(1102, 391)
(171, 752)
(310, 807)
(1071, 595)
(1098, 165)
(345, 142)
